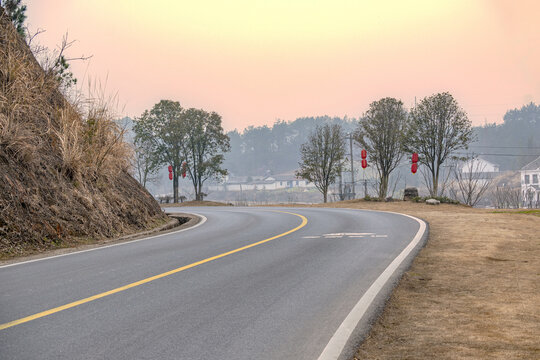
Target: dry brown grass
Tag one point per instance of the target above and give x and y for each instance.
(33, 110)
(472, 292)
(63, 164)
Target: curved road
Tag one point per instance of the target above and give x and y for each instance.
(293, 279)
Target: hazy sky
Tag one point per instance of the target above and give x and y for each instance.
(257, 61)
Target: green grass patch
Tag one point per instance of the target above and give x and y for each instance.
(527, 212)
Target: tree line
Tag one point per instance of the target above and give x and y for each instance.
(436, 129)
(513, 143)
(274, 149)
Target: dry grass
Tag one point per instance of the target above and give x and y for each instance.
(33, 110)
(472, 292)
(63, 165)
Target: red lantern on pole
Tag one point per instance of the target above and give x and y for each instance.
(170, 168)
(170, 176)
(184, 169)
(363, 153)
(414, 167)
(364, 163)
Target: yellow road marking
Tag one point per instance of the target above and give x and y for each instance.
(147, 280)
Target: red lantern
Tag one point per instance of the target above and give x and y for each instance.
(415, 157)
(170, 176)
(363, 153)
(414, 168)
(170, 168)
(184, 169)
(364, 163)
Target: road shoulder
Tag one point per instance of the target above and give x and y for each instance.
(472, 291)
(177, 221)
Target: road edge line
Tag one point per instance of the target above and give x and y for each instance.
(338, 342)
(202, 217)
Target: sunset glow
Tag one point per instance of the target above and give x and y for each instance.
(257, 61)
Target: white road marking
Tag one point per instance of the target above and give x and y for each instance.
(348, 234)
(342, 235)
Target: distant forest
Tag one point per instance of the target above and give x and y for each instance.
(509, 144)
(266, 150)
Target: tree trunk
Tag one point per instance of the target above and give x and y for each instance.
(198, 190)
(175, 187)
(383, 188)
(435, 187)
(144, 180)
(325, 194)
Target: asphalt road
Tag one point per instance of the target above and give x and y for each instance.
(283, 298)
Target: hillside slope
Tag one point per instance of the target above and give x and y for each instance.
(63, 166)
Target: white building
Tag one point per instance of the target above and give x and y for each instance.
(481, 166)
(275, 182)
(530, 184)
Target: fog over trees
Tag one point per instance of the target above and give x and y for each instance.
(275, 149)
(266, 150)
(513, 143)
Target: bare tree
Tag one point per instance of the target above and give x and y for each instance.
(393, 184)
(470, 182)
(438, 128)
(146, 161)
(322, 156)
(504, 197)
(445, 177)
(381, 133)
(529, 198)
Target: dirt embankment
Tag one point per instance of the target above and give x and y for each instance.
(63, 165)
(472, 292)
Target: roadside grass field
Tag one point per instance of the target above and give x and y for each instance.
(471, 293)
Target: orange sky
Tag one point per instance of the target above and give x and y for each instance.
(256, 61)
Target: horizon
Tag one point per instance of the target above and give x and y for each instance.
(255, 63)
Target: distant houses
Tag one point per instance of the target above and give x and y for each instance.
(530, 185)
(480, 170)
(479, 165)
(272, 182)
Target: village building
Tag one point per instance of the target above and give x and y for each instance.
(482, 168)
(272, 182)
(530, 184)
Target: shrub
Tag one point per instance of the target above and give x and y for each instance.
(371, 198)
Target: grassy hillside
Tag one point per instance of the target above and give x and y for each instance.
(63, 166)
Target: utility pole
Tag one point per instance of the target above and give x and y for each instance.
(365, 188)
(341, 197)
(352, 166)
